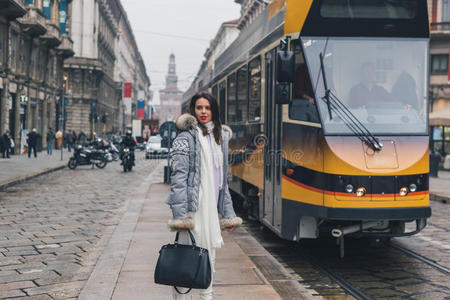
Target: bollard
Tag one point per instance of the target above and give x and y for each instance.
(435, 158)
(167, 174)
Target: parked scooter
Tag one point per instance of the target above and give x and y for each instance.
(127, 160)
(88, 156)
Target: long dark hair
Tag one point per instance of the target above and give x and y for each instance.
(215, 118)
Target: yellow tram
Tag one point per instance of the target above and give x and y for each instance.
(327, 100)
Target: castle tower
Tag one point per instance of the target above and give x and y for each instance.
(170, 97)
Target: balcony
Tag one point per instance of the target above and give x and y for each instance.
(12, 9)
(65, 49)
(440, 29)
(51, 37)
(33, 22)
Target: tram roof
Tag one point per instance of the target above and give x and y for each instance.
(307, 18)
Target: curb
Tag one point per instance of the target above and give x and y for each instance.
(281, 279)
(103, 279)
(21, 179)
(439, 198)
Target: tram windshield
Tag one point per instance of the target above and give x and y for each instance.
(381, 81)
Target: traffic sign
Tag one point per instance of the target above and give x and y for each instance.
(168, 131)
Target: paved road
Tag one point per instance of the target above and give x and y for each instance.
(55, 227)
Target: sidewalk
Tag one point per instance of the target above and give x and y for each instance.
(20, 168)
(125, 269)
(440, 187)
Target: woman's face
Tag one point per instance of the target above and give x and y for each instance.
(203, 110)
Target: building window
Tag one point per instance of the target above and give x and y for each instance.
(254, 97)
(445, 10)
(242, 95)
(439, 64)
(13, 53)
(3, 43)
(231, 101)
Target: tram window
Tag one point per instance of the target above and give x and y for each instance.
(222, 92)
(439, 63)
(242, 95)
(231, 102)
(214, 92)
(369, 9)
(303, 106)
(254, 81)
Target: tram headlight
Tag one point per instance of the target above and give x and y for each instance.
(403, 191)
(349, 188)
(412, 187)
(360, 192)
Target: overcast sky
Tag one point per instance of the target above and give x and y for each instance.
(183, 27)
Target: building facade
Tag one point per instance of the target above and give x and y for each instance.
(106, 56)
(250, 9)
(226, 34)
(130, 67)
(33, 46)
(91, 90)
(170, 97)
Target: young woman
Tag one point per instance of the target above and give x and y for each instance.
(199, 198)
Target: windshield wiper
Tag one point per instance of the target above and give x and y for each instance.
(349, 119)
(327, 90)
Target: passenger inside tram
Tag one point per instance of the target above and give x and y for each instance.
(302, 88)
(404, 90)
(367, 93)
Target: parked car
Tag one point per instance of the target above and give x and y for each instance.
(154, 149)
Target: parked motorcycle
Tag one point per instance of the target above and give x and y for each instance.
(127, 160)
(87, 156)
(115, 154)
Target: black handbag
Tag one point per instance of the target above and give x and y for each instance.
(185, 266)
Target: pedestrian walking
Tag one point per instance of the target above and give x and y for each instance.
(50, 140)
(199, 156)
(5, 144)
(70, 139)
(75, 137)
(32, 142)
(82, 138)
(59, 137)
(12, 144)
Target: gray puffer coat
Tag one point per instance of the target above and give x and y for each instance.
(184, 160)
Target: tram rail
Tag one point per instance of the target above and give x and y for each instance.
(421, 258)
(331, 276)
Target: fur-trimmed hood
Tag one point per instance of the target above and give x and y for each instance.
(187, 121)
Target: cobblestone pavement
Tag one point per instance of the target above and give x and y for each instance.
(22, 166)
(53, 228)
(379, 271)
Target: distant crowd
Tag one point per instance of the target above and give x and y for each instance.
(55, 140)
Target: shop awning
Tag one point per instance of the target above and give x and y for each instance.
(440, 118)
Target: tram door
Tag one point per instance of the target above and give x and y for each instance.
(272, 149)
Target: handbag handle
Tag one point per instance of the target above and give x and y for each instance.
(190, 234)
(176, 289)
(198, 266)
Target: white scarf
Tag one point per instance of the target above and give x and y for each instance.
(207, 227)
(217, 151)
